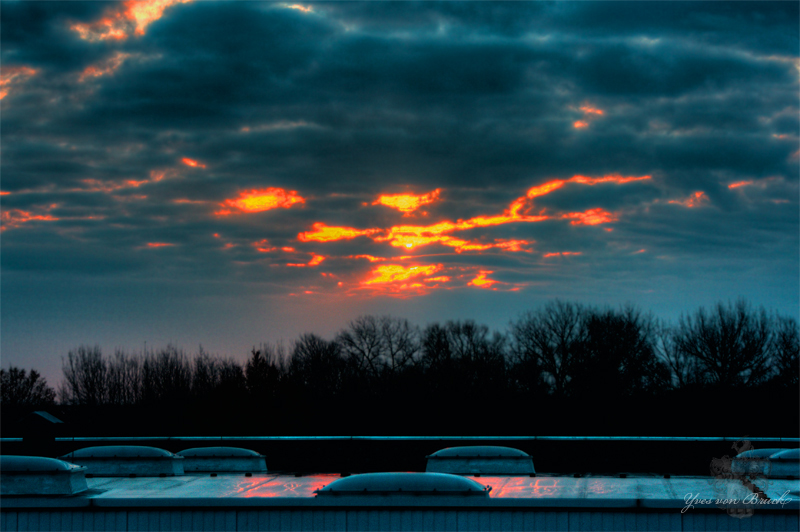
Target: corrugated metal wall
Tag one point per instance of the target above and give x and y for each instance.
(387, 519)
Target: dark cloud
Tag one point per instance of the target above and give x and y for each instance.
(350, 100)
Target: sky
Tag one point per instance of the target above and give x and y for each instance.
(230, 173)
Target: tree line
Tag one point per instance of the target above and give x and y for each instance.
(563, 358)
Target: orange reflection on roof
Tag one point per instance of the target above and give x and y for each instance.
(407, 203)
(122, 21)
(324, 233)
(482, 280)
(697, 199)
(391, 273)
(259, 200)
(740, 184)
(192, 163)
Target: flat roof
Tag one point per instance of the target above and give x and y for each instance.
(543, 491)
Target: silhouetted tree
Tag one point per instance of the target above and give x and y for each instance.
(124, 379)
(731, 343)
(263, 372)
(166, 375)
(21, 389)
(786, 352)
(617, 357)
(85, 377)
(379, 346)
(684, 369)
(317, 366)
(549, 341)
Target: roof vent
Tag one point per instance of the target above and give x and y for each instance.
(386, 484)
(785, 464)
(755, 462)
(481, 460)
(36, 475)
(126, 461)
(223, 460)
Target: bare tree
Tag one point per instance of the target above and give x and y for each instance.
(20, 389)
(684, 369)
(317, 366)
(380, 346)
(731, 343)
(551, 340)
(264, 371)
(166, 375)
(786, 351)
(85, 373)
(124, 379)
(618, 358)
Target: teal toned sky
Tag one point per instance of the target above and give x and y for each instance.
(229, 173)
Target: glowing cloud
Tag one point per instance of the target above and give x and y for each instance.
(591, 217)
(562, 254)
(580, 124)
(482, 280)
(390, 273)
(592, 111)
(298, 7)
(698, 199)
(740, 184)
(407, 203)
(259, 200)
(192, 163)
(413, 236)
(14, 218)
(14, 76)
(159, 244)
(323, 233)
(130, 18)
(104, 68)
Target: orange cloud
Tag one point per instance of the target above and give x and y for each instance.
(104, 68)
(413, 236)
(740, 184)
(591, 217)
(259, 200)
(299, 7)
(14, 218)
(482, 280)
(192, 163)
(697, 199)
(591, 110)
(316, 260)
(129, 18)
(323, 233)
(393, 273)
(580, 124)
(407, 203)
(562, 254)
(4, 193)
(159, 244)
(14, 76)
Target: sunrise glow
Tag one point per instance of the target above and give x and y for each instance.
(120, 22)
(259, 200)
(407, 203)
(12, 76)
(482, 280)
(104, 68)
(393, 273)
(192, 163)
(562, 254)
(740, 184)
(698, 199)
